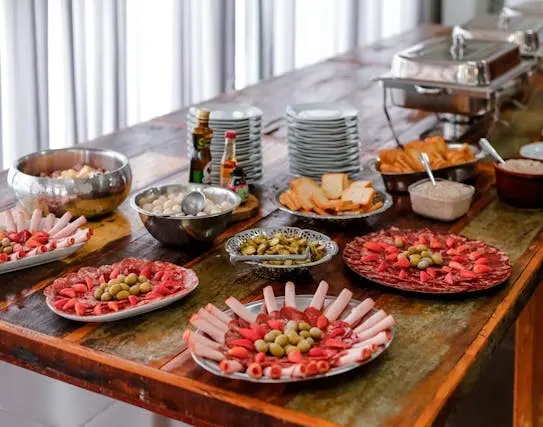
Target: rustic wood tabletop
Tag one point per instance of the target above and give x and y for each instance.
(441, 342)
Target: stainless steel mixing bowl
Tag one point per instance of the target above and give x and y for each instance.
(179, 230)
(90, 197)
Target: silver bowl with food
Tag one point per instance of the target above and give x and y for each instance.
(160, 212)
(84, 181)
(281, 241)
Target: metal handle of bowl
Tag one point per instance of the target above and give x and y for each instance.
(422, 90)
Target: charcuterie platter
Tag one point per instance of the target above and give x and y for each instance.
(427, 261)
(26, 243)
(117, 291)
(290, 338)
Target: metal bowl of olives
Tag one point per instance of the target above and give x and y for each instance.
(282, 241)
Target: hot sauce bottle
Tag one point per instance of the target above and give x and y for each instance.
(200, 163)
(229, 161)
(238, 184)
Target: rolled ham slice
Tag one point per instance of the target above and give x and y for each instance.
(380, 339)
(48, 222)
(35, 220)
(383, 325)
(17, 255)
(21, 222)
(269, 299)
(210, 308)
(359, 311)
(206, 352)
(290, 295)
(356, 355)
(192, 337)
(213, 320)
(70, 228)
(60, 224)
(65, 243)
(334, 310)
(230, 366)
(9, 221)
(240, 310)
(318, 299)
(82, 236)
(214, 332)
(371, 321)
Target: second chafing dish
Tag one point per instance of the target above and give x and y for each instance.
(524, 30)
(455, 75)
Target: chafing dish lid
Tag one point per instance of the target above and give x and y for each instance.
(456, 60)
(527, 8)
(523, 30)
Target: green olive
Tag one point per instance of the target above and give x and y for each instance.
(281, 340)
(421, 248)
(429, 260)
(98, 293)
(293, 337)
(113, 289)
(276, 350)
(145, 287)
(303, 346)
(103, 286)
(8, 249)
(121, 277)
(310, 340)
(304, 326)
(423, 265)
(113, 282)
(437, 258)
(125, 287)
(304, 334)
(122, 295)
(131, 279)
(270, 336)
(414, 259)
(261, 345)
(135, 289)
(142, 279)
(292, 324)
(315, 333)
(398, 242)
(411, 250)
(425, 254)
(289, 348)
(106, 296)
(5, 241)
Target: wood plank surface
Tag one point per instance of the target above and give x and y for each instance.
(441, 342)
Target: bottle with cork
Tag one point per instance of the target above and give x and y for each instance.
(228, 161)
(200, 162)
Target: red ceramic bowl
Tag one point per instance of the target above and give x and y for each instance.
(517, 189)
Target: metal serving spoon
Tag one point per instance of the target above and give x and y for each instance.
(193, 202)
(488, 148)
(258, 258)
(426, 163)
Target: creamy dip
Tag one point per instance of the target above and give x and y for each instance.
(442, 190)
(533, 167)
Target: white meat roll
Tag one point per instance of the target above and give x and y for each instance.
(371, 321)
(383, 325)
(356, 355)
(221, 315)
(208, 328)
(48, 222)
(380, 339)
(61, 223)
(359, 311)
(229, 366)
(238, 308)
(269, 299)
(9, 221)
(212, 319)
(70, 228)
(290, 295)
(206, 352)
(35, 220)
(21, 221)
(318, 299)
(192, 337)
(334, 310)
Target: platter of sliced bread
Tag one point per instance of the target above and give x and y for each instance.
(336, 197)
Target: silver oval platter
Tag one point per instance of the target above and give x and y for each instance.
(302, 302)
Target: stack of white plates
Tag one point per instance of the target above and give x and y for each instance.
(323, 137)
(246, 121)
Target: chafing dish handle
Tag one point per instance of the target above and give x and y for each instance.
(421, 90)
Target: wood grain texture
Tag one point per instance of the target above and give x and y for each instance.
(441, 342)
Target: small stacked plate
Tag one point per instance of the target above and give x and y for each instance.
(322, 138)
(246, 121)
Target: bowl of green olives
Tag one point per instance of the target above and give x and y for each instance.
(282, 241)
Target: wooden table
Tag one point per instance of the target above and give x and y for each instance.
(441, 343)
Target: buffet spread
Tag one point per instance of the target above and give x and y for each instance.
(295, 337)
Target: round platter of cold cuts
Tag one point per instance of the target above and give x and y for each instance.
(427, 261)
(290, 338)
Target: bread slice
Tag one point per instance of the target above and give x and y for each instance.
(361, 184)
(358, 195)
(333, 184)
(319, 198)
(303, 181)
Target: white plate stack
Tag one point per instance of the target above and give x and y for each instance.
(246, 121)
(322, 138)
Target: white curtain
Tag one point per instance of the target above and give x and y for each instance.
(72, 70)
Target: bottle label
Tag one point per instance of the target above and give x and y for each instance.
(201, 142)
(196, 177)
(206, 178)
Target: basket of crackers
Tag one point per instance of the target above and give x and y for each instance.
(336, 197)
(401, 167)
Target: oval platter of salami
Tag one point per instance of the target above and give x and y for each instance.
(427, 261)
(117, 291)
(291, 338)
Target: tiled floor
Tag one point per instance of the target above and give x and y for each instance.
(28, 399)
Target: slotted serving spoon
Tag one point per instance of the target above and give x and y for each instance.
(258, 258)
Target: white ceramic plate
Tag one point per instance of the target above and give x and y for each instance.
(532, 151)
(321, 111)
(44, 258)
(229, 112)
(302, 302)
(126, 313)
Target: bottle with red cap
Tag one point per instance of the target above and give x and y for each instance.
(228, 161)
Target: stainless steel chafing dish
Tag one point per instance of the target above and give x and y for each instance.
(457, 77)
(524, 30)
(529, 8)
